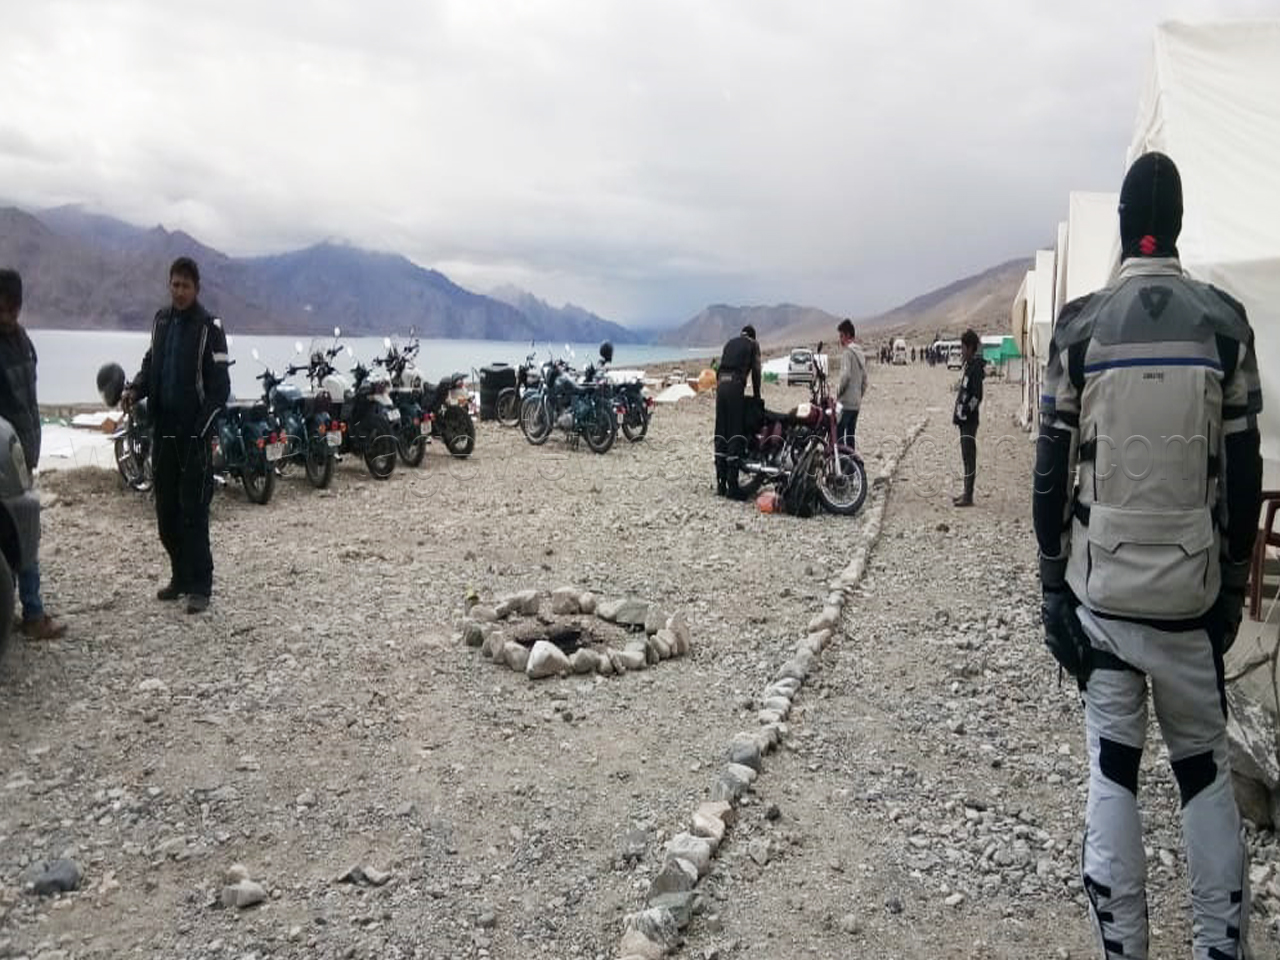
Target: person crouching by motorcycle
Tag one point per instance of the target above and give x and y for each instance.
(853, 382)
(184, 373)
(739, 359)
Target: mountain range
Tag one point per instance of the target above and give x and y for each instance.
(88, 271)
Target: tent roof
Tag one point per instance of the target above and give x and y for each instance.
(1093, 242)
(1210, 102)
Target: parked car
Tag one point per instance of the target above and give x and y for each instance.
(900, 353)
(955, 358)
(800, 366)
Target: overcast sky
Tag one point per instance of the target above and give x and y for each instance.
(641, 158)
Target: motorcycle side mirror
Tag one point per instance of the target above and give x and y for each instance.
(297, 346)
(337, 332)
(386, 342)
(254, 353)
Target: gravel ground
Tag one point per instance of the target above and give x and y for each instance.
(324, 716)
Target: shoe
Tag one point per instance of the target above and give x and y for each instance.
(197, 603)
(170, 591)
(43, 627)
(962, 502)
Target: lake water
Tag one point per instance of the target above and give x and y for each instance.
(69, 359)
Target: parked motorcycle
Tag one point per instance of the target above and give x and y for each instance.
(632, 409)
(449, 406)
(528, 377)
(414, 427)
(131, 440)
(580, 409)
(304, 427)
(778, 443)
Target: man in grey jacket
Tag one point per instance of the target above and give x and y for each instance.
(853, 382)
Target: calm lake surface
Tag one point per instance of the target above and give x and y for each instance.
(69, 359)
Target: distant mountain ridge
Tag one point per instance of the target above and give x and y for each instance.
(579, 325)
(719, 322)
(88, 271)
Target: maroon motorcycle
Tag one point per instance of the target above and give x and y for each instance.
(777, 443)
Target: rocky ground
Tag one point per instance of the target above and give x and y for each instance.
(388, 793)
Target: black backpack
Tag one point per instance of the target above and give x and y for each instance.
(800, 491)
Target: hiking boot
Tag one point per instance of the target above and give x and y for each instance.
(170, 591)
(43, 627)
(962, 501)
(197, 603)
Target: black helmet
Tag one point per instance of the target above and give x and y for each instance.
(606, 352)
(111, 383)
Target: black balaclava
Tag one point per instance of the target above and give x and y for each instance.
(1150, 208)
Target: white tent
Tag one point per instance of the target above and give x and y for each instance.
(1020, 326)
(1093, 243)
(1060, 271)
(1042, 315)
(1212, 102)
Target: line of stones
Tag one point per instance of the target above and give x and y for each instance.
(663, 636)
(654, 932)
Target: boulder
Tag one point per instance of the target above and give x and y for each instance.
(679, 626)
(516, 656)
(547, 660)
(676, 876)
(564, 602)
(584, 661)
(626, 613)
(472, 633)
(654, 620)
(587, 603)
(696, 850)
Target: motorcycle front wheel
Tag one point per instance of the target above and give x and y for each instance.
(133, 461)
(508, 407)
(259, 481)
(535, 420)
(844, 494)
(319, 463)
(601, 430)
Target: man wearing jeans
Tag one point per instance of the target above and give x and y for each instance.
(968, 402)
(18, 405)
(853, 382)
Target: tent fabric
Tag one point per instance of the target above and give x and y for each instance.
(1210, 102)
(1018, 312)
(1042, 315)
(1060, 271)
(1093, 243)
(675, 393)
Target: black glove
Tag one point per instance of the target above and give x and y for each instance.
(1063, 634)
(1225, 616)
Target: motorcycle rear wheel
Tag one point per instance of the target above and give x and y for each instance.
(259, 482)
(843, 495)
(412, 452)
(507, 408)
(459, 433)
(636, 423)
(380, 456)
(319, 463)
(535, 420)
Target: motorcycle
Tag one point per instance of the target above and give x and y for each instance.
(245, 446)
(580, 409)
(414, 427)
(631, 407)
(528, 377)
(131, 440)
(449, 407)
(778, 443)
(304, 426)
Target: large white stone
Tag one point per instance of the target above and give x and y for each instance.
(547, 660)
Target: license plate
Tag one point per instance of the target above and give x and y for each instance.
(334, 439)
(393, 415)
(425, 429)
(275, 451)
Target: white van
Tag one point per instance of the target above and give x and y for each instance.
(900, 352)
(955, 358)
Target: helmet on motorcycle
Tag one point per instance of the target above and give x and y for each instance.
(111, 383)
(606, 352)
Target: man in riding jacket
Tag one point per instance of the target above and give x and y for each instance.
(968, 402)
(184, 373)
(853, 381)
(1152, 393)
(739, 360)
(19, 406)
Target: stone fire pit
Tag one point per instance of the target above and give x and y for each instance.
(577, 633)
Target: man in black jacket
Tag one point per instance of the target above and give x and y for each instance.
(740, 359)
(18, 405)
(968, 401)
(184, 373)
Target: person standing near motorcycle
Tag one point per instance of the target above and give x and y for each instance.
(19, 406)
(968, 401)
(1152, 394)
(739, 359)
(184, 373)
(853, 382)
